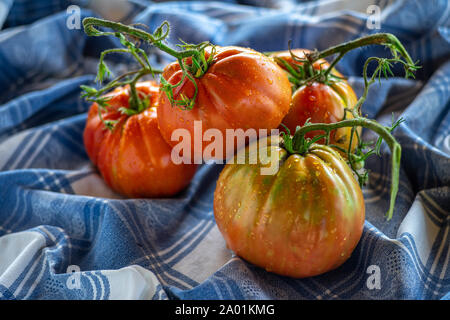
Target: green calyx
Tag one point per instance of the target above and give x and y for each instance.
(298, 143)
(304, 73)
(197, 67)
(192, 60)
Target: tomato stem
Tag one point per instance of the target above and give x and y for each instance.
(386, 39)
(304, 72)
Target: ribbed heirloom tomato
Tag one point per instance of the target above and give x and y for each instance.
(133, 158)
(302, 221)
(241, 89)
(319, 102)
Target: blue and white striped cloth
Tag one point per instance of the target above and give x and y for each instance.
(58, 216)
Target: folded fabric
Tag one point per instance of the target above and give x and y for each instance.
(64, 234)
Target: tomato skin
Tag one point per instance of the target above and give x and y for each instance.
(241, 89)
(321, 103)
(134, 159)
(303, 221)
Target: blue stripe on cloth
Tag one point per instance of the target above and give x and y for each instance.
(5, 293)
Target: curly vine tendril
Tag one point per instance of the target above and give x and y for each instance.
(196, 68)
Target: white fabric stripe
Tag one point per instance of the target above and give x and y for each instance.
(431, 212)
(94, 289)
(102, 287)
(181, 239)
(25, 149)
(42, 144)
(38, 279)
(8, 147)
(412, 254)
(444, 267)
(121, 217)
(13, 213)
(29, 273)
(189, 243)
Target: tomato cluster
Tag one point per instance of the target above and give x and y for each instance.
(301, 220)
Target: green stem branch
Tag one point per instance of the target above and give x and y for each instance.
(90, 29)
(385, 39)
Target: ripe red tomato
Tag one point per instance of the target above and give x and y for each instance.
(241, 89)
(302, 221)
(319, 102)
(134, 159)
